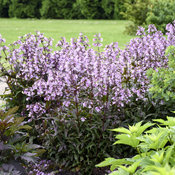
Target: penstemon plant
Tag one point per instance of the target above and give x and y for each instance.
(78, 76)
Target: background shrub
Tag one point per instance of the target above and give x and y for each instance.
(135, 11)
(4, 8)
(24, 9)
(63, 9)
(119, 8)
(92, 10)
(144, 13)
(161, 13)
(108, 6)
(58, 9)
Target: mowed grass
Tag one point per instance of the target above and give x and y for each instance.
(111, 30)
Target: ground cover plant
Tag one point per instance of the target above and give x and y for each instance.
(74, 94)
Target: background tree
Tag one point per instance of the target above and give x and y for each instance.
(92, 9)
(135, 11)
(161, 13)
(119, 8)
(62, 9)
(24, 8)
(4, 7)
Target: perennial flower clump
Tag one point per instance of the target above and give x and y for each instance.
(146, 51)
(80, 77)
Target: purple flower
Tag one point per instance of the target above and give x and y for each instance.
(76, 76)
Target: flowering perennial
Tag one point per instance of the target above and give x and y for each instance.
(78, 76)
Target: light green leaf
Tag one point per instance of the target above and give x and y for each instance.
(106, 162)
(122, 130)
(120, 171)
(127, 140)
(131, 169)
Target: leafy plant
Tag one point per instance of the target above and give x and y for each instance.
(135, 11)
(13, 145)
(62, 9)
(78, 145)
(160, 13)
(155, 147)
(24, 9)
(162, 80)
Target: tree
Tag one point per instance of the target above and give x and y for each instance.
(24, 8)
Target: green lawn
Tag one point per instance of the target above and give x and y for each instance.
(111, 30)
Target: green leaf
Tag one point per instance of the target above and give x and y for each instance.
(29, 157)
(106, 162)
(144, 127)
(120, 171)
(11, 111)
(169, 122)
(168, 154)
(131, 169)
(154, 141)
(127, 140)
(27, 127)
(119, 162)
(122, 130)
(158, 157)
(33, 146)
(157, 170)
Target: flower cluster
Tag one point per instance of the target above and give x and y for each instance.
(39, 168)
(77, 77)
(142, 53)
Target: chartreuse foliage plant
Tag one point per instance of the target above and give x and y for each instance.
(155, 145)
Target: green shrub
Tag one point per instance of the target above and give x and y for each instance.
(155, 147)
(4, 7)
(24, 9)
(92, 9)
(76, 11)
(161, 13)
(119, 8)
(108, 7)
(136, 12)
(62, 9)
(162, 80)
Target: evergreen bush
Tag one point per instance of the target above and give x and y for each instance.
(160, 13)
